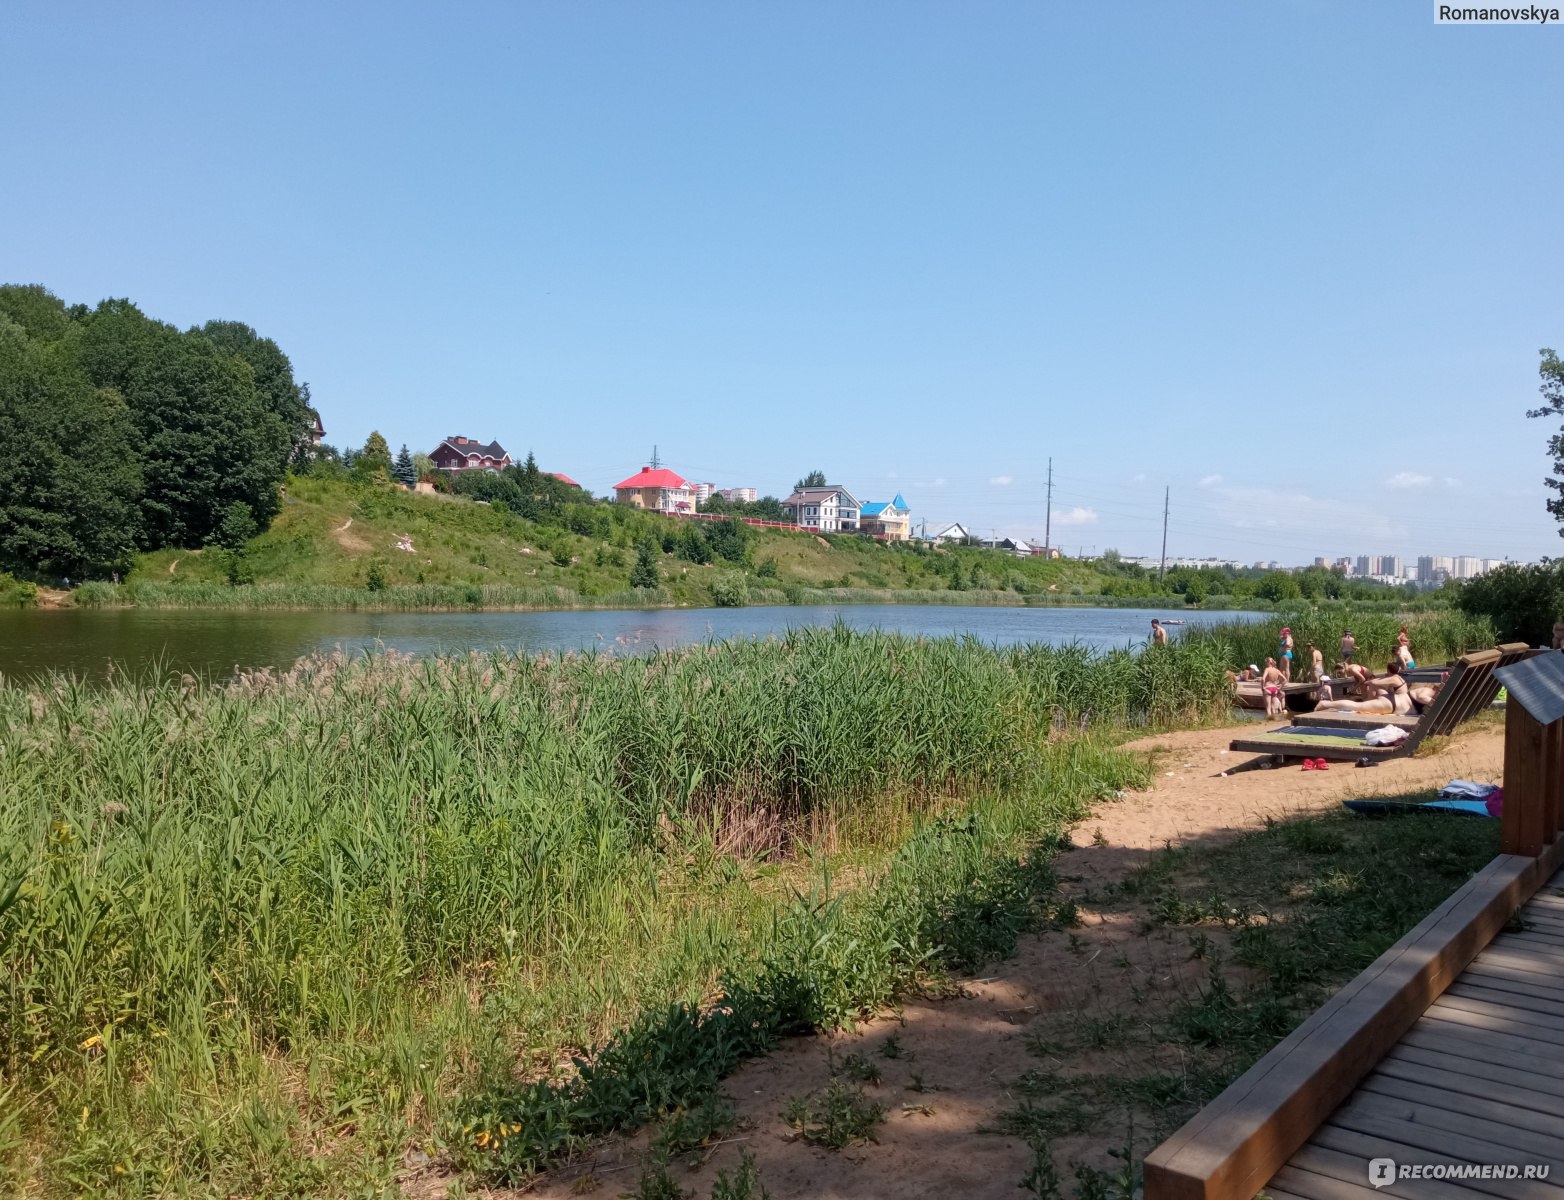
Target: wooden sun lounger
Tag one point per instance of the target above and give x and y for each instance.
(1479, 699)
(1470, 688)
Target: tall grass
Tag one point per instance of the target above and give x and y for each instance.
(1437, 635)
(260, 936)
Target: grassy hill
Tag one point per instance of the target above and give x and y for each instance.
(339, 544)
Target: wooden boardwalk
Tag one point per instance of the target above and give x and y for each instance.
(1448, 1050)
(1478, 1079)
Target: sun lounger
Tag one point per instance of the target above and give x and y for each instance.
(1470, 688)
(1477, 699)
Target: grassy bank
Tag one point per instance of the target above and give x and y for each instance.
(1277, 920)
(195, 594)
(265, 937)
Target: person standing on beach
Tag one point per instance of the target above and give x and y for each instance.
(1349, 645)
(1159, 633)
(1285, 656)
(1316, 660)
(1271, 682)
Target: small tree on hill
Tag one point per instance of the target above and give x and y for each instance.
(406, 474)
(236, 527)
(644, 573)
(374, 460)
(813, 479)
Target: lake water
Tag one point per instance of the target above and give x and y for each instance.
(214, 642)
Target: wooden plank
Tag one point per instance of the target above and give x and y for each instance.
(1518, 1143)
(1482, 1066)
(1416, 1142)
(1539, 1054)
(1306, 1185)
(1234, 1144)
(1525, 983)
(1548, 920)
(1467, 1095)
(1471, 987)
(1364, 1147)
(1507, 1018)
(1540, 1042)
(1351, 1169)
(1538, 949)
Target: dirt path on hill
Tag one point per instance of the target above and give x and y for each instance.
(967, 1053)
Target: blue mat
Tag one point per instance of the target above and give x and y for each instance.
(1460, 808)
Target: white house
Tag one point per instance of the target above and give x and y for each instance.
(827, 509)
(951, 533)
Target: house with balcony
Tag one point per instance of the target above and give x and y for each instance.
(656, 489)
(829, 509)
(887, 520)
(469, 454)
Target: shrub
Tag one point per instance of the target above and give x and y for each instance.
(730, 590)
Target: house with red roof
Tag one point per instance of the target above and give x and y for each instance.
(469, 454)
(657, 489)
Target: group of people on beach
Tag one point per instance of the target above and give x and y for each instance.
(1350, 687)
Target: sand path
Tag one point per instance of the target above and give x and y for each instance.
(970, 1048)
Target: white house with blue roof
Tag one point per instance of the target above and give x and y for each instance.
(889, 520)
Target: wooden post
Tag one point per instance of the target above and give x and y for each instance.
(1525, 783)
(1553, 785)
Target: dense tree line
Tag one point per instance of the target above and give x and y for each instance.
(123, 433)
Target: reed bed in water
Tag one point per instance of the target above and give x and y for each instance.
(1436, 636)
(264, 935)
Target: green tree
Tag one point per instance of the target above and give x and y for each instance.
(813, 479)
(204, 435)
(70, 483)
(236, 528)
(423, 466)
(373, 462)
(406, 472)
(644, 574)
(1521, 601)
(1552, 391)
(284, 397)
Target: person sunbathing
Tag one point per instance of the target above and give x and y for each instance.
(1423, 695)
(1391, 696)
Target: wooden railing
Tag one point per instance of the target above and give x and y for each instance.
(1230, 1149)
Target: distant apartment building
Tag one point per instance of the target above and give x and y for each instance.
(1344, 565)
(1321, 563)
(656, 489)
(1363, 566)
(1388, 564)
(703, 491)
(828, 509)
(739, 495)
(1492, 564)
(1466, 566)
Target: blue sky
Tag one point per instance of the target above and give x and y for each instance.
(1292, 260)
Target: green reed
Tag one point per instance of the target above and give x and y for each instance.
(1436, 635)
(259, 936)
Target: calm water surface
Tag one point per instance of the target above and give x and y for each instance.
(214, 642)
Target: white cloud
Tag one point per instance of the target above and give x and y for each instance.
(1075, 516)
(890, 474)
(1210, 481)
(1451, 481)
(1002, 480)
(1141, 478)
(1406, 479)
